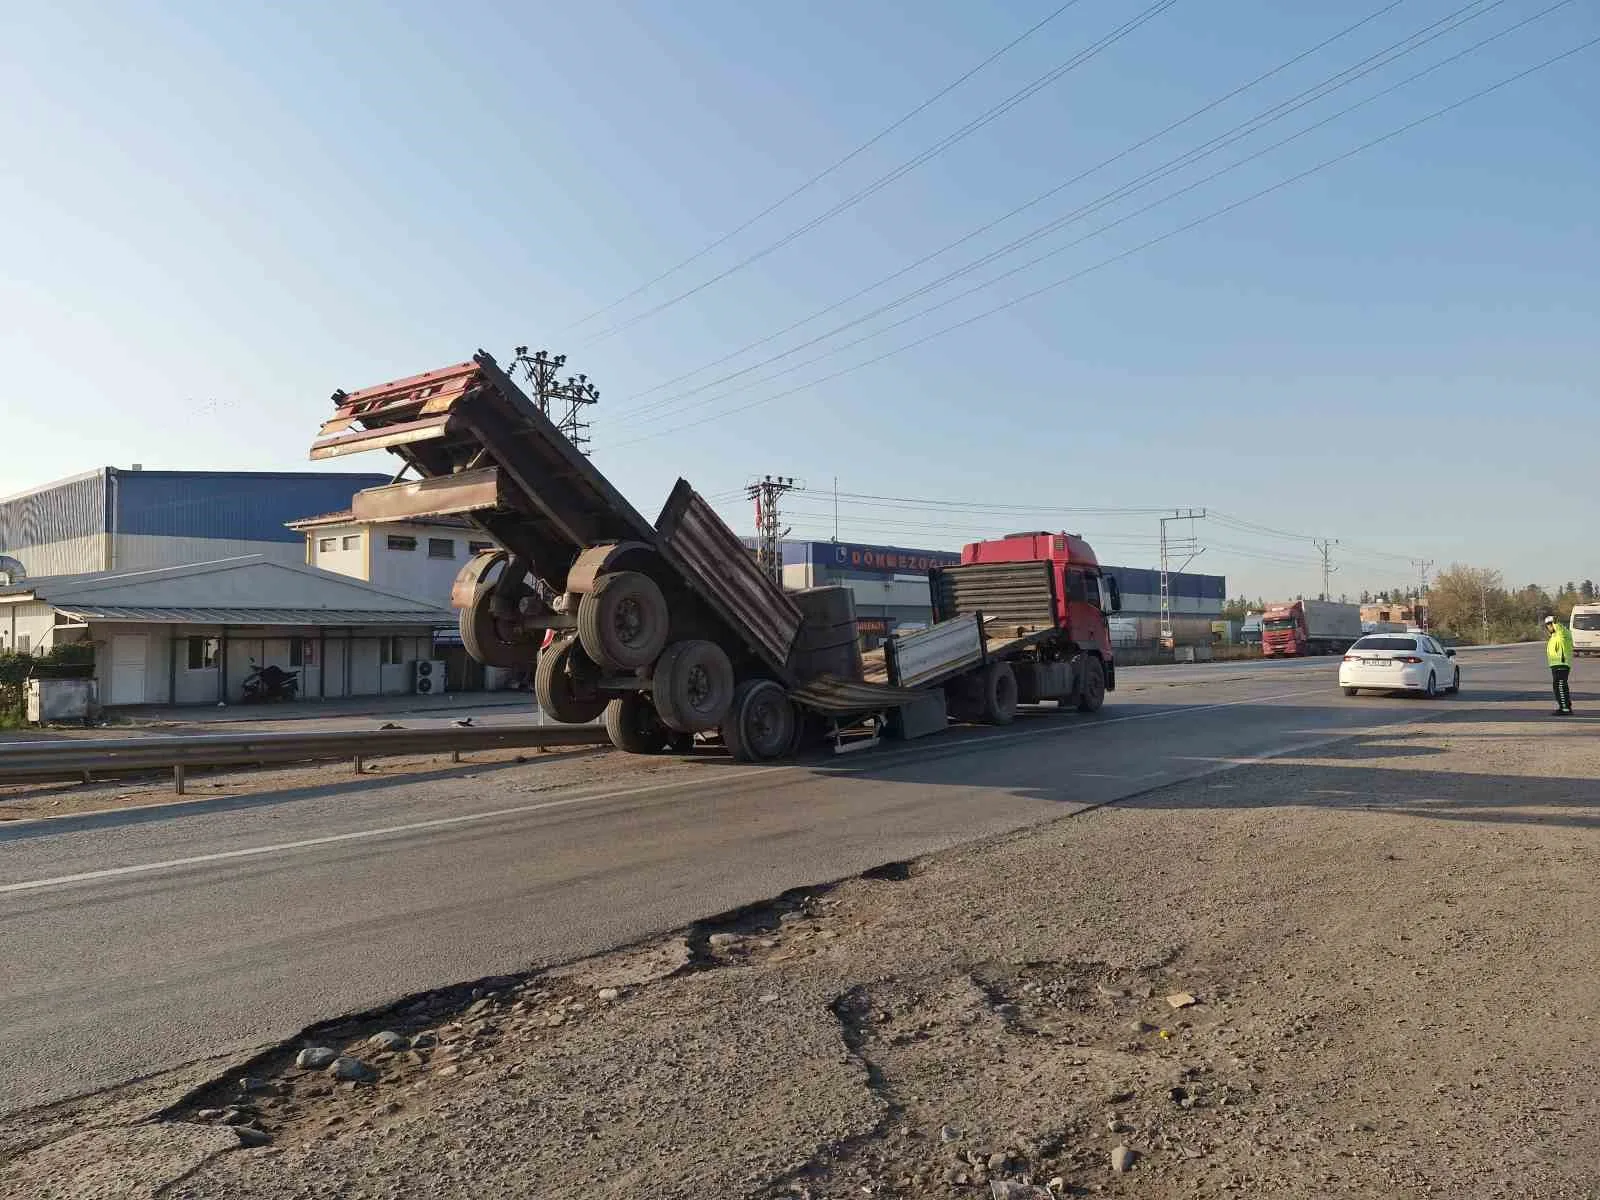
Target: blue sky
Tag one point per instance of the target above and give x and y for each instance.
(215, 215)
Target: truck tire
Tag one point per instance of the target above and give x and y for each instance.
(692, 686)
(1092, 695)
(565, 684)
(761, 724)
(633, 726)
(623, 622)
(483, 640)
(998, 696)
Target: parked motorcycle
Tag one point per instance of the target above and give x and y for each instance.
(270, 683)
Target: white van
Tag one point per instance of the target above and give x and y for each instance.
(1586, 629)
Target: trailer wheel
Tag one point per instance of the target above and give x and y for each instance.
(762, 722)
(565, 683)
(692, 686)
(623, 622)
(482, 636)
(634, 728)
(1093, 693)
(999, 694)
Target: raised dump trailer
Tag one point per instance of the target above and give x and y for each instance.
(667, 630)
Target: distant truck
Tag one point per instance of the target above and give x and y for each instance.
(1305, 627)
(1250, 629)
(1585, 627)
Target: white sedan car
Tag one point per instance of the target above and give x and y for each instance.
(1399, 662)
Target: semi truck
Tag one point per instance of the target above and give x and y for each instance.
(1302, 627)
(669, 631)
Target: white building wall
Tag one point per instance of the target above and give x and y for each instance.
(415, 573)
(342, 550)
(29, 626)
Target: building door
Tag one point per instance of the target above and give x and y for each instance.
(129, 652)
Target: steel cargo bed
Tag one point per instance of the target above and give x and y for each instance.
(486, 453)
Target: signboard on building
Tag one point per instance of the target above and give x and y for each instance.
(879, 560)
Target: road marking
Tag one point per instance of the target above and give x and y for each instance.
(354, 836)
(920, 753)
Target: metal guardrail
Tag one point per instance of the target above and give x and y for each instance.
(86, 758)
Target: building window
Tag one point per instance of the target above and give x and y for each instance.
(479, 547)
(441, 547)
(327, 545)
(352, 541)
(24, 643)
(302, 652)
(400, 541)
(203, 653)
(392, 651)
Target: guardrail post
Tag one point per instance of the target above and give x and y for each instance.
(358, 764)
(177, 778)
(455, 756)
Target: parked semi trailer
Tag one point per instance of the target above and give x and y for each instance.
(669, 630)
(1309, 627)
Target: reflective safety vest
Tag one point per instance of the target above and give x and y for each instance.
(1558, 650)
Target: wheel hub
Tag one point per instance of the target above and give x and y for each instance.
(698, 687)
(627, 622)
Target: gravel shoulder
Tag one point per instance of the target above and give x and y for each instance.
(1388, 946)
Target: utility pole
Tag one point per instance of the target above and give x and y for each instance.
(563, 401)
(766, 492)
(1423, 565)
(1326, 545)
(1170, 550)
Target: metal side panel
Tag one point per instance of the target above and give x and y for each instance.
(449, 495)
(387, 437)
(937, 652)
(722, 572)
(1007, 594)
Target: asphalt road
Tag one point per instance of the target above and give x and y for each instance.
(142, 939)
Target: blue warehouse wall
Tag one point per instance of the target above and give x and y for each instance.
(228, 506)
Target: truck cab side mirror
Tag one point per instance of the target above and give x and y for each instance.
(1116, 593)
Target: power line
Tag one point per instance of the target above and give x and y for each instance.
(905, 168)
(982, 229)
(1244, 129)
(829, 170)
(1139, 248)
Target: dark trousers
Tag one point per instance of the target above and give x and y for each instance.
(1558, 681)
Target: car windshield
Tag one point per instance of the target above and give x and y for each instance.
(1386, 643)
(1589, 621)
(1280, 623)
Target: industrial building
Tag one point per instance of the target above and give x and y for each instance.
(190, 634)
(115, 519)
(418, 558)
(890, 585)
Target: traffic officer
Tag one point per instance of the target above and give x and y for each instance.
(1558, 653)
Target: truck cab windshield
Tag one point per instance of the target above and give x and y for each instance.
(1280, 623)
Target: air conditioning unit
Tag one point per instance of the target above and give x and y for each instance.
(429, 677)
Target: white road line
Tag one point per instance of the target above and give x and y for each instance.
(354, 836)
(468, 818)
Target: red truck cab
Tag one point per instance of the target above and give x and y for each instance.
(1084, 595)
